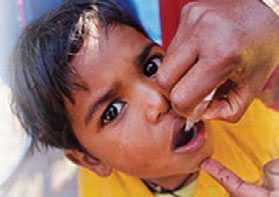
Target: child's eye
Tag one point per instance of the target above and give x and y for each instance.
(152, 66)
(112, 111)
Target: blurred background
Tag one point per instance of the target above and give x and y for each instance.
(22, 173)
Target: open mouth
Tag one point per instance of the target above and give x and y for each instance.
(183, 138)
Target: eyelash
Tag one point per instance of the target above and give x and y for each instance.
(105, 115)
(151, 60)
(117, 110)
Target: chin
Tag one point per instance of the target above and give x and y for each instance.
(205, 152)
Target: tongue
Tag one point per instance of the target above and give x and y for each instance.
(183, 138)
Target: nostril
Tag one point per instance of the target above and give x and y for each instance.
(168, 105)
(157, 109)
(153, 115)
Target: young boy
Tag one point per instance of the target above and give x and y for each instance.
(84, 82)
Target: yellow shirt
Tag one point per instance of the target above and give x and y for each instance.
(243, 147)
(186, 191)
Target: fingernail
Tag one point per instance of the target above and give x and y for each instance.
(272, 167)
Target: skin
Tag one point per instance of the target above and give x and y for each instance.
(219, 40)
(139, 140)
(239, 188)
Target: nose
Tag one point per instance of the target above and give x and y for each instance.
(157, 105)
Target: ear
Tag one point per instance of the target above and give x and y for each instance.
(88, 161)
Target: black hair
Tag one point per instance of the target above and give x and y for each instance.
(42, 77)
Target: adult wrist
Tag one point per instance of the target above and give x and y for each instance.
(273, 4)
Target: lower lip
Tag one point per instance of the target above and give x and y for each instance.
(195, 143)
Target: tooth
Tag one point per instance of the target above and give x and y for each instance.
(210, 96)
(198, 111)
(189, 125)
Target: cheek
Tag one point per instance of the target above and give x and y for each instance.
(130, 147)
(138, 160)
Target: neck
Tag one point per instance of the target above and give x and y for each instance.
(173, 182)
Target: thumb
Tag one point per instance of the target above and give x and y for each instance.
(271, 175)
(230, 102)
(231, 182)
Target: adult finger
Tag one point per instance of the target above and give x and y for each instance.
(197, 84)
(271, 175)
(182, 52)
(176, 63)
(230, 102)
(232, 183)
(235, 99)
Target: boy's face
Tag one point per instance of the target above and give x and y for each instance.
(124, 119)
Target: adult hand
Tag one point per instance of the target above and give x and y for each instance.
(239, 188)
(233, 44)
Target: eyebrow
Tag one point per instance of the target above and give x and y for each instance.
(93, 107)
(145, 52)
(103, 98)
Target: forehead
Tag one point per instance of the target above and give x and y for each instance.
(118, 44)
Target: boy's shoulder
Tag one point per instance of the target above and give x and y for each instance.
(118, 184)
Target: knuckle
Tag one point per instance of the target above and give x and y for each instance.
(162, 80)
(223, 175)
(232, 55)
(227, 55)
(271, 166)
(177, 99)
(188, 8)
(215, 68)
(236, 111)
(213, 17)
(191, 11)
(233, 117)
(225, 65)
(218, 16)
(237, 187)
(221, 171)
